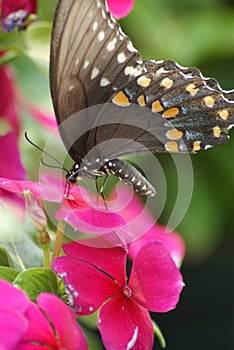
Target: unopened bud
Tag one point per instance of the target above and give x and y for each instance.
(35, 211)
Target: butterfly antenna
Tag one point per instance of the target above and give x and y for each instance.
(49, 155)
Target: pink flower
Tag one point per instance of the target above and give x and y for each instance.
(144, 226)
(43, 117)
(14, 13)
(12, 169)
(12, 100)
(8, 109)
(120, 8)
(75, 209)
(25, 325)
(96, 277)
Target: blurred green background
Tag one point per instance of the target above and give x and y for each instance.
(194, 33)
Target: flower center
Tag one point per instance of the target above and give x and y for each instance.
(127, 291)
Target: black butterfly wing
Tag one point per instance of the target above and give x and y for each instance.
(89, 54)
(93, 62)
(196, 111)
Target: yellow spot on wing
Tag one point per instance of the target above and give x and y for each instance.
(209, 101)
(191, 88)
(174, 134)
(156, 106)
(141, 101)
(196, 146)
(171, 146)
(217, 131)
(171, 112)
(167, 83)
(143, 81)
(224, 114)
(121, 99)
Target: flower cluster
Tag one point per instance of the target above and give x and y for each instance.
(94, 270)
(129, 267)
(15, 13)
(96, 278)
(26, 325)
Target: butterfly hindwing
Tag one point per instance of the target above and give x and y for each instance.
(195, 108)
(93, 62)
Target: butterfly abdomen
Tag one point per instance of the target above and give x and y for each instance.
(130, 175)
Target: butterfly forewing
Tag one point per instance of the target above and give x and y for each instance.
(92, 54)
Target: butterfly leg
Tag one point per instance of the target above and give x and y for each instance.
(100, 191)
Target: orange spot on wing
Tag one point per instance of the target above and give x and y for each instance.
(121, 99)
(141, 101)
(171, 146)
(156, 106)
(174, 134)
(171, 112)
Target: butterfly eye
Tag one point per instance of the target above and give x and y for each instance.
(93, 63)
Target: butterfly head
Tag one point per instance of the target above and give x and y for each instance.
(72, 174)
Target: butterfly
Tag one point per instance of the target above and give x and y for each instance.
(109, 102)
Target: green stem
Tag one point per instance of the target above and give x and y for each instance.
(58, 240)
(44, 240)
(20, 261)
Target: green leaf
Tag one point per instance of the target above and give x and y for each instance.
(5, 259)
(37, 280)
(90, 321)
(9, 56)
(8, 274)
(159, 335)
(12, 41)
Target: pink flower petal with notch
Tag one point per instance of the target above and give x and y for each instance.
(124, 324)
(155, 280)
(39, 330)
(120, 8)
(87, 287)
(111, 260)
(53, 307)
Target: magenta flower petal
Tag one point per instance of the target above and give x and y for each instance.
(89, 219)
(44, 191)
(144, 226)
(9, 6)
(12, 297)
(173, 241)
(14, 12)
(110, 260)
(12, 325)
(155, 280)
(13, 304)
(120, 8)
(44, 118)
(86, 286)
(7, 101)
(69, 332)
(39, 329)
(125, 325)
(13, 169)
